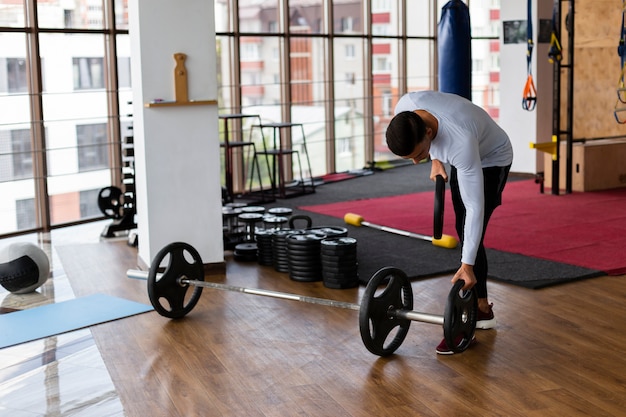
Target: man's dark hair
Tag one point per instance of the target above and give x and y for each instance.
(404, 132)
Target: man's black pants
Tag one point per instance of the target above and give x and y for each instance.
(494, 181)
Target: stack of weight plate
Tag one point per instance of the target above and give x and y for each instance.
(246, 252)
(303, 252)
(271, 222)
(279, 248)
(280, 211)
(339, 262)
(232, 231)
(263, 239)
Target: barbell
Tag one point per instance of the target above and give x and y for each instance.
(385, 313)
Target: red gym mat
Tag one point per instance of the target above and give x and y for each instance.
(583, 229)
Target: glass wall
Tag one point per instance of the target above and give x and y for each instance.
(59, 94)
(335, 67)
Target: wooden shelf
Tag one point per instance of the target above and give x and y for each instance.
(181, 103)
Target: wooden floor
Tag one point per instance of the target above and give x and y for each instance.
(557, 351)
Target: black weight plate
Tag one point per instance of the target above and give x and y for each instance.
(309, 239)
(304, 256)
(303, 253)
(305, 262)
(110, 202)
(331, 231)
(279, 250)
(303, 246)
(338, 255)
(265, 251)
(279, 245)
(280, 211)
(263, 234)
(253, 209)
(305, 269)
(339, 276)
(281, 262)
(339, 241)
(440, 190)
(229, 212)
(459, 318)
(350, 263)
(302, 250)
(250, 217)
(177, 260)
(274, 222)
(376, 321)
(235, 205)
(304, 278)
(343, 259)
(339, 262)
(338, 251)
(306, 273)
(279, 253)
(281, 235)
(247, 248)
(243, 257)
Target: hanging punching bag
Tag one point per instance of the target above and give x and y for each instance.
(455, 50)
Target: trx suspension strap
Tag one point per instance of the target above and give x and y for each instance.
(529, 101)
(555, 53)
(621, 90)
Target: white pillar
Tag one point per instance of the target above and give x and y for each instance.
(177, 153)
(523, 126)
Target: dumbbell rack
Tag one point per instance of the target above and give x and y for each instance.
(127, 219)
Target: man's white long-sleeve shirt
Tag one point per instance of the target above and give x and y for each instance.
(468, 139)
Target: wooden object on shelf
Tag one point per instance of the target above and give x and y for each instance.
(180, 87)
(180, 78)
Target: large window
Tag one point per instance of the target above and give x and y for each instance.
(60, 121)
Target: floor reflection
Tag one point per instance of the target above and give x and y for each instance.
(62, 375)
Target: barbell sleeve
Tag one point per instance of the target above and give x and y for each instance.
(417, 316)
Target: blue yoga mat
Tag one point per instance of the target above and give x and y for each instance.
(52, 319)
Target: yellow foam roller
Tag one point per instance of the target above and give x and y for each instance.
(446, 241)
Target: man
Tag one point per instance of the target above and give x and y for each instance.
(450, 129)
